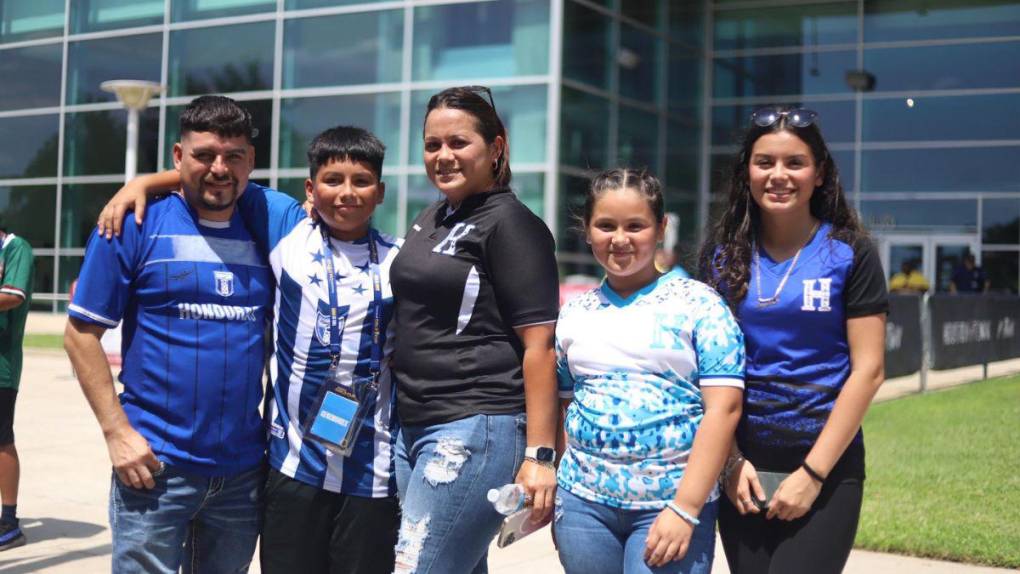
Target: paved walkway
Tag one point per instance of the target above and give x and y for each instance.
(66, 476)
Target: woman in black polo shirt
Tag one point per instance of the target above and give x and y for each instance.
(476, 290)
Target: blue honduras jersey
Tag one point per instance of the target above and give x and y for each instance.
(635, 368)
(193, 295)
(797, 352)
(301, 360)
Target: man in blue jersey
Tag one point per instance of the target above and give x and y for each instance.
(325, 513)
(185, 437)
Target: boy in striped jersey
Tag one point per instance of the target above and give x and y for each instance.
(324, 512)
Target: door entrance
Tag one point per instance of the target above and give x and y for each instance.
(934, 256)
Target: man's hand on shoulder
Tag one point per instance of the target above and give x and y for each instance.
(133, 460)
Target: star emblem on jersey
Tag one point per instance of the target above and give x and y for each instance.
(363, 268)
(317, 257)
(224, 283)
(338, 276)
(359, 290)
(314, 279)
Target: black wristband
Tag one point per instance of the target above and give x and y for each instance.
(811, 472)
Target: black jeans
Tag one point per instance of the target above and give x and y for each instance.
(310, 530)
(817, 543)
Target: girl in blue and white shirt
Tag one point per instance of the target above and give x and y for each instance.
(652, 368)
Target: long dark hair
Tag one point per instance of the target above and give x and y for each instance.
(467, 99)
(725, 258)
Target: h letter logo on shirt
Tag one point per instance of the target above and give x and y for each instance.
(448, 246)
(821, 294)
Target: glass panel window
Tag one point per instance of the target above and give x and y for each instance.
(682, 156)
(1002, 269)
(584, 131)
(835, 119)
(28, 146)
(1000, 219)
(978, 117)
(301, 119)
(31, 77)
(30, 19)
(97, 15)
(638, 59)
(94, 142)
(638, 144)
(28, 212)
(648, 12)
(43, 279)
(202, 9)
(522, 109)
(92, 62)
(892, 20)
(305, 4)
(990, 65)
(243, 62)
(79, 208)
(926, 216)
(806, 25)
(686, 22)
(342, 50)
(586, 56)
(845, 164)
(481, 39)
(572, 193)
(261, 116)
(807, 73)
(940, 169)
(70, 267)
(685, 73)
(530, 189)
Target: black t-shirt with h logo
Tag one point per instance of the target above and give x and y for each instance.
(462, 281)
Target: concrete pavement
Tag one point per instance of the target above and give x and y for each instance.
(66, 478)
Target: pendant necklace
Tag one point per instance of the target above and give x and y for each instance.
(769, 301)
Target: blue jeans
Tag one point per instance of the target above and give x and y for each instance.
(443, 474)
(597, 539)
(197, 523)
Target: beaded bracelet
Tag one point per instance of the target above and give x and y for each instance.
(682, 513)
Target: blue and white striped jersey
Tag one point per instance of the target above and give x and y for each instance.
(193, 295)
(301, 358)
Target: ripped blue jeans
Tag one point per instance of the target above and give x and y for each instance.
(443, 473)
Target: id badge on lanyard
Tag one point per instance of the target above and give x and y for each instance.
(341, 407)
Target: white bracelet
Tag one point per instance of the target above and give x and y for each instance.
(682, 513)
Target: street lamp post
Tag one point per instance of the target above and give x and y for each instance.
(133, 95)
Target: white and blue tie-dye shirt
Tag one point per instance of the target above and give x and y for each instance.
(634, 368)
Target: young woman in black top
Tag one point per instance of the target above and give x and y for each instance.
(476, 289)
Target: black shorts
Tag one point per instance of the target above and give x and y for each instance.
(313, 531)
(7, 398)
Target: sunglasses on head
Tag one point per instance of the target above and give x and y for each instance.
(798, 118)
(482, 90)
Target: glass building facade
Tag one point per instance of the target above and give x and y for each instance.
(581, 84)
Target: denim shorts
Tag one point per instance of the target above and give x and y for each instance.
(597, 539)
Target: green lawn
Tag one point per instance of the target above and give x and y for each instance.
(44, 341)
(944, 475)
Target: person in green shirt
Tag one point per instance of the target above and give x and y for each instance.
(16, 266)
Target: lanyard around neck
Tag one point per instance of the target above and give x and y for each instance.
(334, 310)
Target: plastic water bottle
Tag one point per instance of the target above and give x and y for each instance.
(507, 499)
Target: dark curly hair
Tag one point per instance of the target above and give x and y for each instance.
(725, 258)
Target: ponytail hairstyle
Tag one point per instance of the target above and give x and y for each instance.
(637, 180)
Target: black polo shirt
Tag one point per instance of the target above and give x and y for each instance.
(462, 281)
